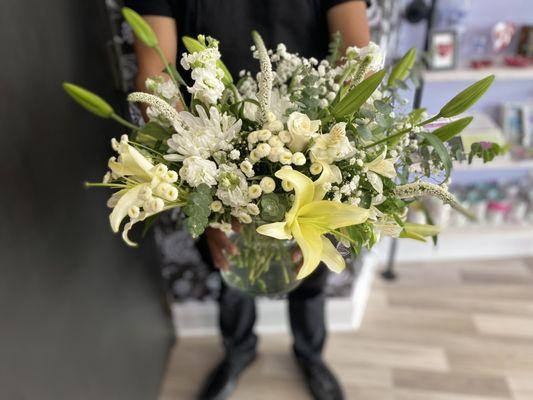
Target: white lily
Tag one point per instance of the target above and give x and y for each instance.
(380, 166)
(147, 190)
(311, 217)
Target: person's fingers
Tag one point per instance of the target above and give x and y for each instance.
(236, 225)
(297, 256)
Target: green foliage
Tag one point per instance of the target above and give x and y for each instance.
(273, 207)
(486, 151)
(441, 151)
(361, 235)
(415, 116)
(335, 48)
(449, 131)
(464, 100)
(358, 95)
(198, 210)
(402, 69)
(140, 27)
(88, 100)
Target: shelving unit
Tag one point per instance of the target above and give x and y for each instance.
(470, 74)
(500, 164)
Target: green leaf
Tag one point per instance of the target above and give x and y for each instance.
(401, 70)
(449, 131)
(140, 27)
(156, 131)
(424, 230)
(411, 235)
(192, 45)
(416, 115)
(176, 75)
(88, 100)
(442, 152)
(464, 100)
(364, 132)
(358, 95)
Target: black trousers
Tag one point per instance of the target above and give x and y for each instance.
(237, 315)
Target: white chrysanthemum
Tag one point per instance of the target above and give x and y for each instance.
(203, 135)
(232, 186)
(196, 170)
(333, 146)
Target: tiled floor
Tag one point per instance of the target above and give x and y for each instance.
(461, 331)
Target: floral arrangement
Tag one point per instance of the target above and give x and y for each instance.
(318, 153)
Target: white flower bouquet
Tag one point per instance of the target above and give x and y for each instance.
(314, 154)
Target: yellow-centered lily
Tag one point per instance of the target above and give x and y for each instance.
(311, 217)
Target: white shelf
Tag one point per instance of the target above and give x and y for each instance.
(496, 164)
(468, 243)
(464, 74)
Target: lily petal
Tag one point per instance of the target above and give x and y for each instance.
(310, 242)
(304, 188)
(332, 215)
(277, 230)
(327, 176)
(375, 181)
(128, 199)
(331, 256)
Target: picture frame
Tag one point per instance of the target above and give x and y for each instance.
(516, 123)
(442, 49)
(525, 46)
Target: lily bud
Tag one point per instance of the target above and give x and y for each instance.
(88, 100)
(140, 27)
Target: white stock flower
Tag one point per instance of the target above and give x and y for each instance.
(333, 146)
(232, 186)
(301, 129)
(196, 170)
(203, 135)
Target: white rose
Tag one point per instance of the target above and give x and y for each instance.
(196, 170)
(301, 129)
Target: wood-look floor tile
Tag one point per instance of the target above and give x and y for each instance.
(504, 325)
(481, 385)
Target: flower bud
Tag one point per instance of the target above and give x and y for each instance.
(216, 206)
(140, 27)
(88, 100)
(254, 191)
(267, 184)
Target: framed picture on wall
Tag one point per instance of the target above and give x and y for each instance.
(442, 49)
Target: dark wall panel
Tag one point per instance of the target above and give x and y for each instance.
(81, 315)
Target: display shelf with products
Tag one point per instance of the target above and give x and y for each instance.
(471, 74)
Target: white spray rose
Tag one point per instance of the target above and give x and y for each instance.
(302, 130)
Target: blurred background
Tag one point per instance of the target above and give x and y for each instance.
(84, 317)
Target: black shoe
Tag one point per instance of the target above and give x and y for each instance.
(320, 380)
(222, 380)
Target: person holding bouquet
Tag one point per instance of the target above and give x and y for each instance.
(305, 27)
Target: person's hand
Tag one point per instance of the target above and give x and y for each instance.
(220, 245)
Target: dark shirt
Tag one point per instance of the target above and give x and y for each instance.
(300, 24)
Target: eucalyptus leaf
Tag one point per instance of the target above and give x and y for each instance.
(358, 95)
(401, 70)
(88, 100)
(449, 131)
(464, 100)
(143, 31)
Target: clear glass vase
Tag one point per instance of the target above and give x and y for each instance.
(263, 266)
